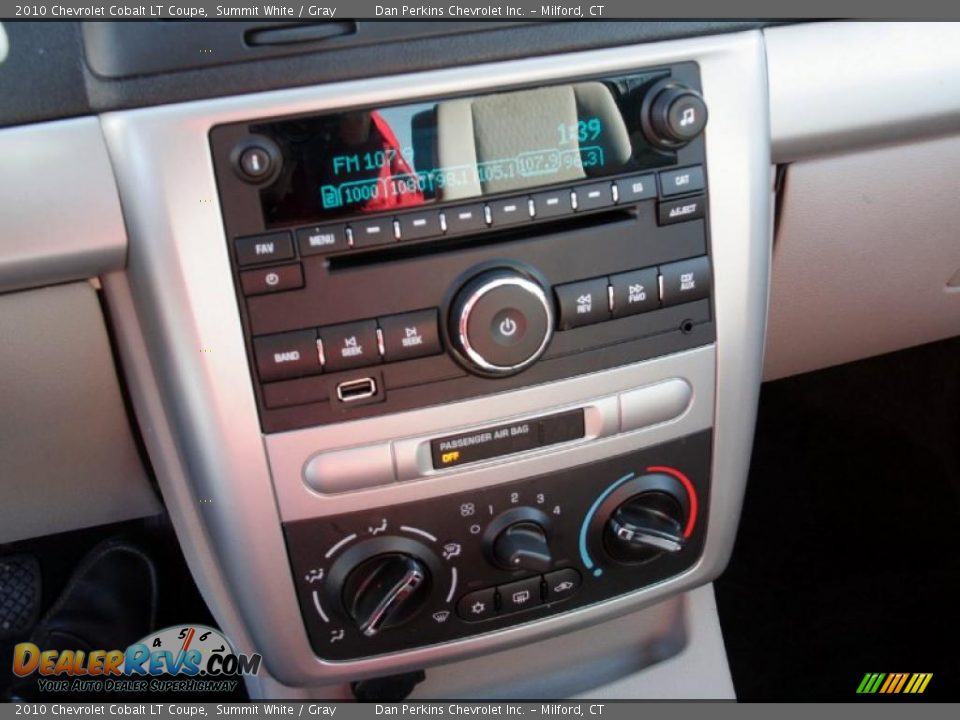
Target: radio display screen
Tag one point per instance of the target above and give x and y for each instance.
(401, 157)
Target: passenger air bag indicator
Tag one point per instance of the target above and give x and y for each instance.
(500, 440)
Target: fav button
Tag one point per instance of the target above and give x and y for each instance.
(348, 346)
(520, 595)
(264, 248)
(410, 335)
(288, 355)
(478, 605)
(682, 181)
(685, 281)
(583, 303)
(634, 292)
(271, 280)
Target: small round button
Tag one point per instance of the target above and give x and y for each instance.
(256, 163)
(501, 322)
(673, 114)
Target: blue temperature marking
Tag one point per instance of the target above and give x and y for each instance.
(584, 555)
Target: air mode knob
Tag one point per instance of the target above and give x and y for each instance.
(500, 322)
(385, 591)
(673, 114)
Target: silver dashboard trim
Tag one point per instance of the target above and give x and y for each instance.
(185, 307)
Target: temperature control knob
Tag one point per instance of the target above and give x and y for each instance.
(645, 526)
(673, 114)
(501, 322)
(385, 591)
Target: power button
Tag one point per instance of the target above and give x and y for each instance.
(501, 322)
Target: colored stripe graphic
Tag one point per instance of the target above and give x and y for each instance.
(894, 683)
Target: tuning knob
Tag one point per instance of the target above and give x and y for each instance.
(645, 526)
(500, 322)
(385, 591)
(673, 114)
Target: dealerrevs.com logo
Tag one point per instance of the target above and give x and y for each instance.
(192, 658)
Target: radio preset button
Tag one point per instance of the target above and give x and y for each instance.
(685, 281)
(682, 181)
(552, 204)
(288, 355)
(372, 233)
(410, 335)
(264, 248)
(509, 211)
(583, 303)
(674, 211)
(465, 219)
(348, 346)
(322, 239)
(271, 280)
(417, 226)
(642, 187)
(635, 292)
(593, 197)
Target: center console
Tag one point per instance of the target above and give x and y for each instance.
(449, 363)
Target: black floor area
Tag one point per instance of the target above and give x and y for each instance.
(178, 600)
(848, 555)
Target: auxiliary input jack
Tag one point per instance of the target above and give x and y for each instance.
(686, 327)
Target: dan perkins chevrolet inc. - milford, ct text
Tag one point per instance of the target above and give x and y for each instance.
(296, 10)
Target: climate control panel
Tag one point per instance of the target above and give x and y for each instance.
(411, 575)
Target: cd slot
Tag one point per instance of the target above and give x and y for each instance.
(406, 251)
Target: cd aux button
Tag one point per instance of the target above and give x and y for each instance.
(685, 281)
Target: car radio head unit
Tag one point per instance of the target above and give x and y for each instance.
(392, 257)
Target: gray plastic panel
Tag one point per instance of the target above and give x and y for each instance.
(867, 244)
(182, 289)
(59, 204)
(68, 456)
(838, 86)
